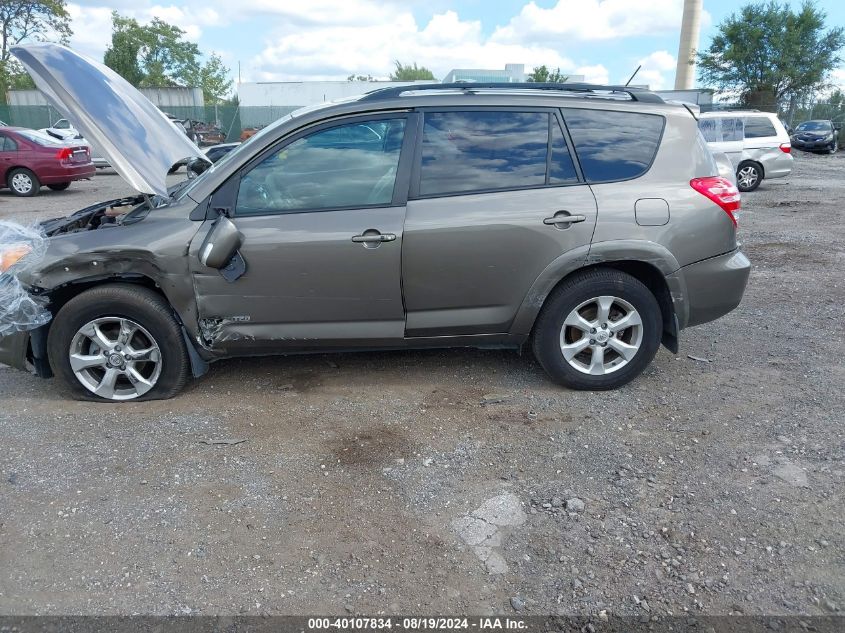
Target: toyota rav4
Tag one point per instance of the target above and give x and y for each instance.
(589, 223)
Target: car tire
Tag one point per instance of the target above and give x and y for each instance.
(833, 148)
(749, 175)
(89, 350)
(23, 182)
(173, 169)
(570, 336)
(61, 186)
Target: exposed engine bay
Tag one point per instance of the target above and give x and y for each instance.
(102, 215)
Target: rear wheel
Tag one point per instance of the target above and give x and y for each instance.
(61, 186)
(23, 182)
(748, 176)
(598, 330)
(118, 342)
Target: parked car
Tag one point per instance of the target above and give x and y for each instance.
(815, 136)
(29, 159)
(63, 130)
(590, 229)
(213, 154)
(756, 143)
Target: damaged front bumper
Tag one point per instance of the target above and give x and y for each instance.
(26, 351)
(13, 349)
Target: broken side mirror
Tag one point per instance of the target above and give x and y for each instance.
(220, 249)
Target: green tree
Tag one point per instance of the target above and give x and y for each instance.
(214, 79)
(151, 55)
(768, 53)
(21, 21)
(360, 78)
(156, 55)
(541, 74)
(410, 73)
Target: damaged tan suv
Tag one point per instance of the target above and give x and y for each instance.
(589, 222)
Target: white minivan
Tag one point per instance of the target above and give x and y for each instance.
(756, 142)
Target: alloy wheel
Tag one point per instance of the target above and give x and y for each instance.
(115, 358)
(22, 183)
(747, 176)
(601, 335)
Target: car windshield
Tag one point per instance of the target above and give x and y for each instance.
(42, 139)
(814, 126)
(181, 192)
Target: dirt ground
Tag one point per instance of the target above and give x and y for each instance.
(459, 481)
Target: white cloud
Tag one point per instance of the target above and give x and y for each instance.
(655, 68)
(597, 74)
(92, 24)
(332, 51)
(588, 20)
(331, 39)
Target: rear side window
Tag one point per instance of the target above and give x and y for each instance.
(8, 144)
(466, 151)
(759, 127)
(613, 145)
(722, 129)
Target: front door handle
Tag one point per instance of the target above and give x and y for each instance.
(371, 238)
(564, 218)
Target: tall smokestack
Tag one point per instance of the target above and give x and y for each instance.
(690, 26)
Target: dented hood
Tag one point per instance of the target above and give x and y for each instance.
(138, 140)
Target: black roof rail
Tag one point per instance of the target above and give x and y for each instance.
(635, 94)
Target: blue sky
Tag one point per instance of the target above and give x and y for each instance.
(289, 40)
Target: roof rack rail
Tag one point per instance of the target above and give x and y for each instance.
(635, 94)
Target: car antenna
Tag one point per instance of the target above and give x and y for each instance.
(631, 78)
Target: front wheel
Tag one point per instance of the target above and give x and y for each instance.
(118, 342)
(748, 176)
(833, 148)
(598, 330)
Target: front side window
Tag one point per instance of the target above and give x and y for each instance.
(351, 165)
(613, 145)
(759, 127)
(483, 150)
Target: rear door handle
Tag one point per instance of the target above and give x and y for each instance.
(563, 217)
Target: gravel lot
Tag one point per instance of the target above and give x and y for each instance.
(458, 481)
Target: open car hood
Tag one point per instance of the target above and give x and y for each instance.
(138, 140)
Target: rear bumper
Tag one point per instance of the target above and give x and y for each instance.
(709, 289)
(68, 174)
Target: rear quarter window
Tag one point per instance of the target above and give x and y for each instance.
(759, 127)
(613, 145)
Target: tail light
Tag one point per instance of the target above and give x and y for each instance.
(785, 148)
(721, 191)
(64, 153)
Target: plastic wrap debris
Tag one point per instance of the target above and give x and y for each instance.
(21, 247)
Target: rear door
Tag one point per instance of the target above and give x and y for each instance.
(8, 155)
(496, 197)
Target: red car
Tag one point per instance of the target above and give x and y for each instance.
(29, 159)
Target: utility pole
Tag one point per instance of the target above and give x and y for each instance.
(688, 45)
